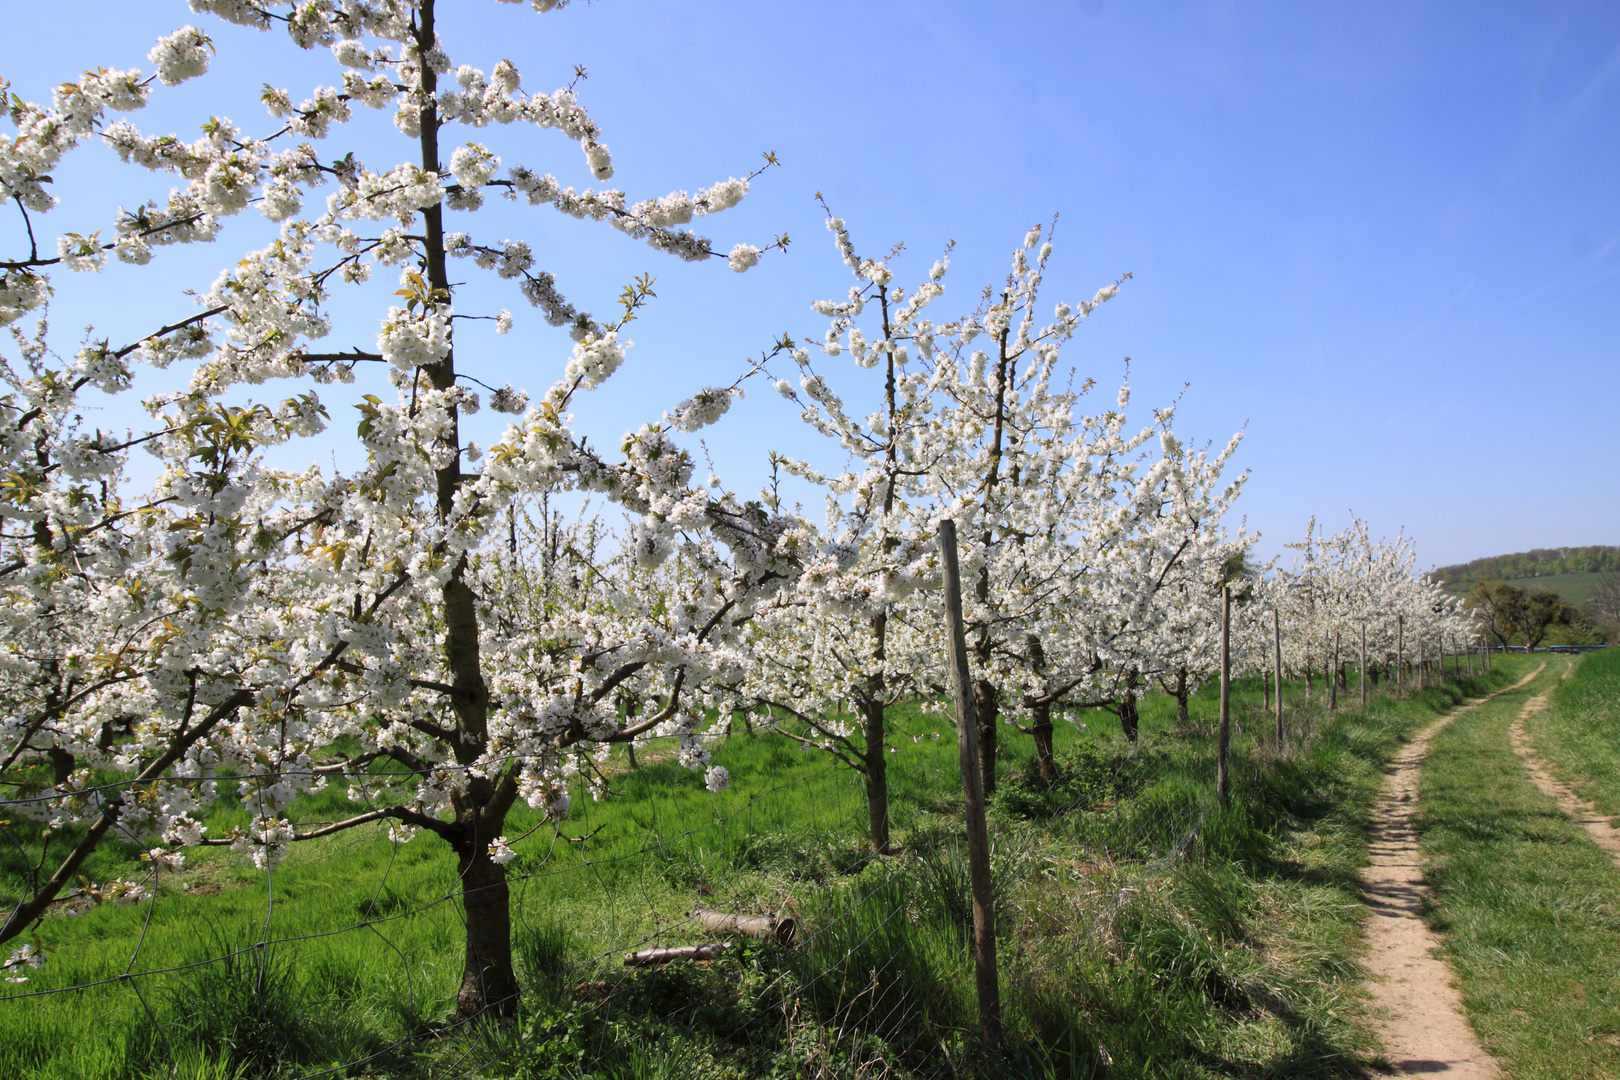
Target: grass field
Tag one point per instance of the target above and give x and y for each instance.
(1529, 907)
(1128, 935)
(1575, 588)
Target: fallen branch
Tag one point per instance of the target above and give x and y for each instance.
(654, 957)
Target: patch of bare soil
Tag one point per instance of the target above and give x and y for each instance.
(1423, 1028)
(1577, 809)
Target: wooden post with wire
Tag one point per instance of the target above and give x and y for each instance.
(1223, 753)
(978, 836)
(1276, 655)
(1400, 657)
(1333, 679)
(1363, 663)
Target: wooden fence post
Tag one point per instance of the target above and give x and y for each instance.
(1400, 655)
(1223, 781)
(1333, 678)
(978, 836)
(1363, 664)
(1276, 642)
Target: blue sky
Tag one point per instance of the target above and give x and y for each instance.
(1385, 237)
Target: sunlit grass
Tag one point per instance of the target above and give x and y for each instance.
(1126, 934)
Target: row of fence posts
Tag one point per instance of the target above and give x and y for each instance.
(967, 733)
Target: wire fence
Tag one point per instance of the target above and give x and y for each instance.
(345, 960)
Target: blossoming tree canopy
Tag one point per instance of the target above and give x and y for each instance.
(222, 629)
(1350, 587)
(1052, 504)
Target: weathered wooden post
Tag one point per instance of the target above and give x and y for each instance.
(1333, 676)
(1400, 655)
(1276, 655)
(1363, 662)
(1224, 743)
(967, 738)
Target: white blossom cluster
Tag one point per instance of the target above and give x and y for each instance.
(224, 628)
(28, 957)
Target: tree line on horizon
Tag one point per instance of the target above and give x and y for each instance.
(1538, 562)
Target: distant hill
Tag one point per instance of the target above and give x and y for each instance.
(1571, 572)
(1576, 588)
(1542, 562)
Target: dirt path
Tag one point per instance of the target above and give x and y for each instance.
(1424, 1031)
(1574, 807)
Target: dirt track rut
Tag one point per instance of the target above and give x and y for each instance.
(1424, 1030)
(1577, 809)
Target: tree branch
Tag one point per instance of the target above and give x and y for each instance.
(25, 912)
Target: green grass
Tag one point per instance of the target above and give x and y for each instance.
(1127, 933)
(1240, 960)
(1580, 736)
(1528, 906)
(1575, 588)
(656, 847)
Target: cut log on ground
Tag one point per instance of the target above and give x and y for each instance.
(760, 926)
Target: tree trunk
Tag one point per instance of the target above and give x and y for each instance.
(62, 764)
(1041, 728)
(1335, 673)
(1041, 714)
(877, 776)
(1127, 712)
(1181, 696)
(488, 984)
(988, 705)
